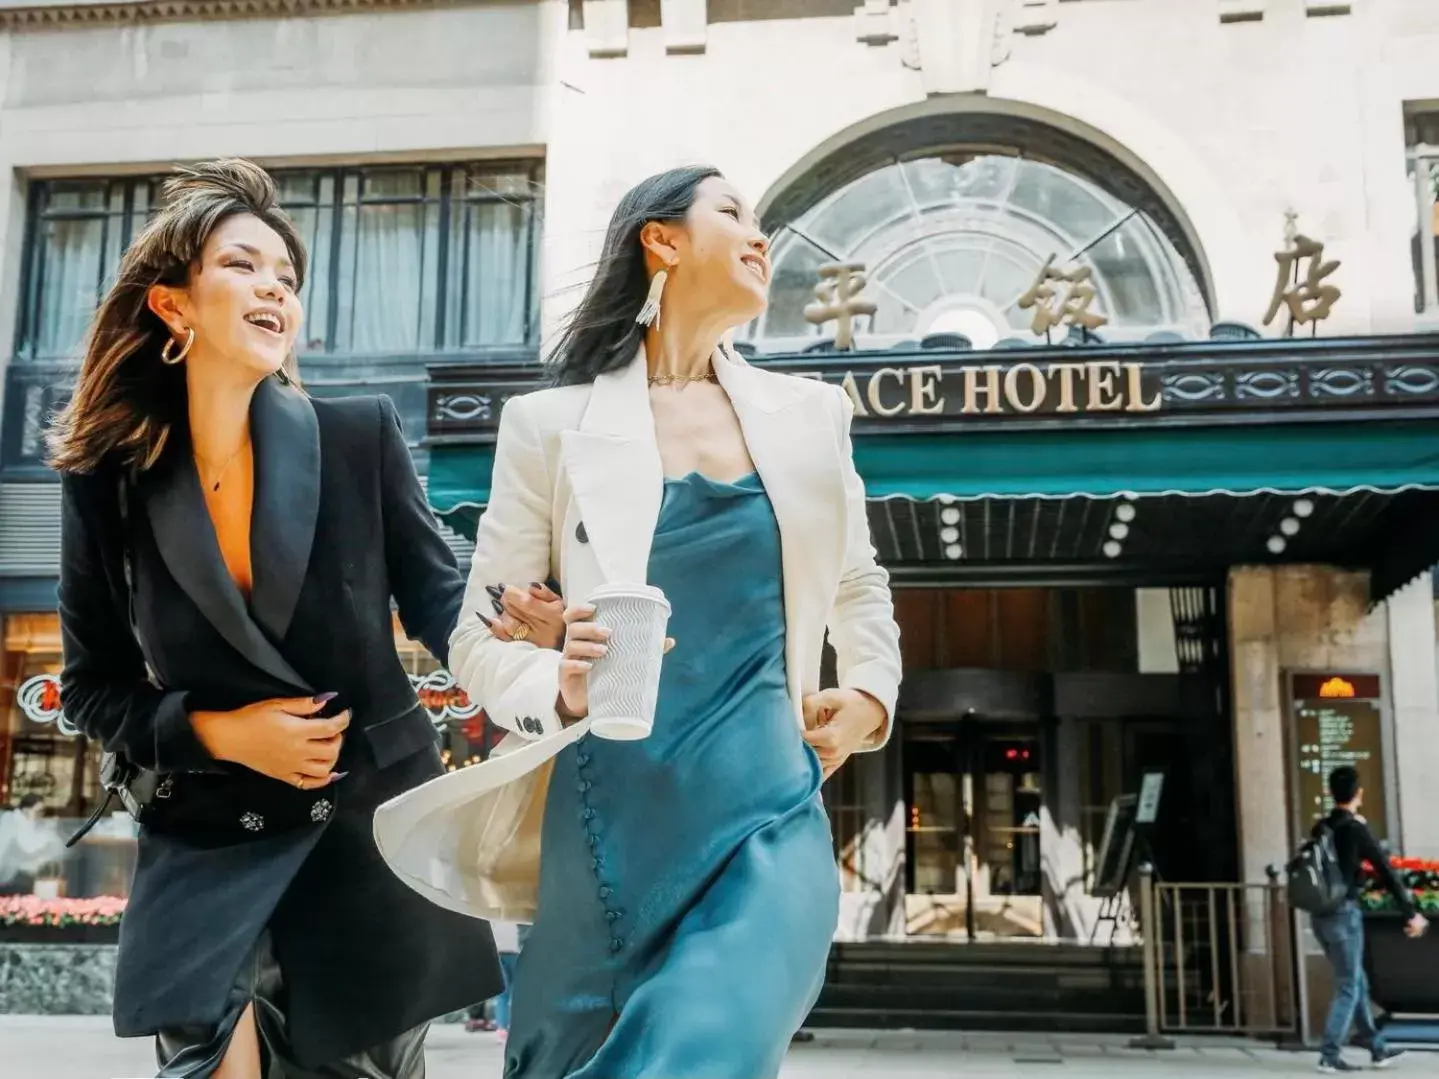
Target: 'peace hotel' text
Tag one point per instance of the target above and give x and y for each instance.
(996, 390)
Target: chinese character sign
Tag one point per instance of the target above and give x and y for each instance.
(1302, 282)
(1055, 307)
(838, 299)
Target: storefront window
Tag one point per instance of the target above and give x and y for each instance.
(466, 735)
(39, 754)
(1423, 138)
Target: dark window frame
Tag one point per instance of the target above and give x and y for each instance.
(445, 188)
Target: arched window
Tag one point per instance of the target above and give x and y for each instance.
(952, 242)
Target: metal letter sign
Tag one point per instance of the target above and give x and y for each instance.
(1309, 298)
(837, 298)
(1051, 310)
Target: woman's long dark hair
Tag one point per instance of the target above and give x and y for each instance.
(602, 334)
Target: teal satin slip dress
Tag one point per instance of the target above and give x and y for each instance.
(688, 888)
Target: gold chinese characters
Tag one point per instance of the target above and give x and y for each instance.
(1307, 294)
(838, 300)
(1051, 309)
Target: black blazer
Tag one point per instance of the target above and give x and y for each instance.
(339, 526)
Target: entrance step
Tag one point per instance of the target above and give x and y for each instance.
(999, 986)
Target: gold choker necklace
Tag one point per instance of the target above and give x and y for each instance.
(681, 380)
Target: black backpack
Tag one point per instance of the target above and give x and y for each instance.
(1314, 878)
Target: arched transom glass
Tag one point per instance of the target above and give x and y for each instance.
(954, 243)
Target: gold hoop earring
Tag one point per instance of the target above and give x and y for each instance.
(650, 313)
(171, 361)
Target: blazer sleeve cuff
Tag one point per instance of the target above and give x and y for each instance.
(527, 706)
(177, 748)
(872, 680)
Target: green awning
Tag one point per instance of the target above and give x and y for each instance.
(1239, 460)
(459, 484)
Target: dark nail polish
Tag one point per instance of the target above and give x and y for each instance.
(498, 606)
(495, 590)
(536, 585)
(489, 622)
(335, 777)
(325, 698)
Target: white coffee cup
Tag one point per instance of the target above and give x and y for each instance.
(624, 686)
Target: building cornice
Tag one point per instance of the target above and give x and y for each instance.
(65, 14)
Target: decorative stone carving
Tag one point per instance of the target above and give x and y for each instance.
(92, 14)
(1241, 10)
(877, 23)
(955, 44)
(1035, 16)
(607, 27)
(685, 25)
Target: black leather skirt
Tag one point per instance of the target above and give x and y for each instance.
(196, 1052)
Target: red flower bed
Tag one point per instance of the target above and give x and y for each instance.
(1420, 876)
(31, 910)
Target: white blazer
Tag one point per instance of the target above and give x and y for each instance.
(575, 495)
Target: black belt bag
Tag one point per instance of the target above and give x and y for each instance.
(229, 805)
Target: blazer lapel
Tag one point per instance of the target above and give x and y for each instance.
(186, 540)
(796, 454)
(613, 465)
(286, 437)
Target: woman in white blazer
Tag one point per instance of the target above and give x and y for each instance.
(687, 894)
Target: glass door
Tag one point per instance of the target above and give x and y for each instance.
(975, 797)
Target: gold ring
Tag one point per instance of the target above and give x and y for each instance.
(300, 782)
(521, 633)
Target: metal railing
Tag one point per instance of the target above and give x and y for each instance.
(1220, 959)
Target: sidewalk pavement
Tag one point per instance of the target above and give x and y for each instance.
(65, 1047)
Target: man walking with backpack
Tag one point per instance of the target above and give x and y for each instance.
(1343, 841)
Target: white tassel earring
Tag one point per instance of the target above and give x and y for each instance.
(650, 313)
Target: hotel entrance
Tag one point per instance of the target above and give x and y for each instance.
(1025, 713)
(975, 794)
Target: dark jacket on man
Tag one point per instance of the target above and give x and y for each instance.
(1354, 844)
(339, 526)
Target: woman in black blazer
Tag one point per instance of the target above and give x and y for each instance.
(244, 542)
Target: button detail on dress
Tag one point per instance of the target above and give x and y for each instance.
(321, 810)
(252, 822)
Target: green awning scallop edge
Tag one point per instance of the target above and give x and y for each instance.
(1196, 461)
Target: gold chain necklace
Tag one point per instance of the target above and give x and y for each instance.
(221, 474)
(681, 380)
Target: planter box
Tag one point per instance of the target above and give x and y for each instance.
(70, 934)
(1401, 971)
(56, 979)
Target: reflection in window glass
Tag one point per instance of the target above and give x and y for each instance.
(861, 208)
(792, 280)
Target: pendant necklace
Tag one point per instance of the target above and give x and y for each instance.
(221, 474)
